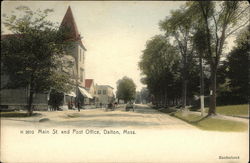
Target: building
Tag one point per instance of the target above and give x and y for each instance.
(104, 94)
(75, 55)
(17, 98)
(90, 87)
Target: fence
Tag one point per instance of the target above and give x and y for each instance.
(18, 99)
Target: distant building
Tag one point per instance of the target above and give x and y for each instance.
(104, 94)
(90, 87)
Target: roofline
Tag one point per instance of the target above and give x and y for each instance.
(106, 86)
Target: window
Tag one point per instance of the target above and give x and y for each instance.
(80, 54)
(99, 92)
(81, 74)
(104, 92)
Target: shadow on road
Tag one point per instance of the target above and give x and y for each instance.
(105, 123)
(112, 114)
(145, 110)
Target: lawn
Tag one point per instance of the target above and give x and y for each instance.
(212, 123)
(233, 110)
(16, 114)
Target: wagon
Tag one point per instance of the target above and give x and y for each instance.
(129, 106)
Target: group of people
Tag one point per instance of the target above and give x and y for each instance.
(111, 105)
(71, 104)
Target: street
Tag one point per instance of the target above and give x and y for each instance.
(63, 62)
(143, 117)
(97, 135)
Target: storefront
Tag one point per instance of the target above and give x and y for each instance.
(82, 95)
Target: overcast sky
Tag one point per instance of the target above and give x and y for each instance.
(114, 33)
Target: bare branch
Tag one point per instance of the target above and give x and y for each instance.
(237, 28)
(180, 45)
(240, 14)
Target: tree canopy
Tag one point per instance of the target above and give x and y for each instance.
(126, 89)
(197, 30)
(31, 55)
(238, 73)
(178, 27)
(160, 64)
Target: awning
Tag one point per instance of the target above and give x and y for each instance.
(71, 94)
(85, 93)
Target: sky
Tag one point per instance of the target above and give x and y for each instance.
(114, 33)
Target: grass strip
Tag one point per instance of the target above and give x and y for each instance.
(233, 110)
(212, 123)
(17, 114)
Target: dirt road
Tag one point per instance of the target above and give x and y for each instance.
(143, 117)
(95, 135)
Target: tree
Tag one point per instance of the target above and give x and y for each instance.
(238, 73)
(145, 96)
(179, 27)
(126, 89)
(160, 64)
(138, 97)
(220, 20)
(31, 55)
(200, 48)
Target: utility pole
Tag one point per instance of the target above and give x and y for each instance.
(201, 87)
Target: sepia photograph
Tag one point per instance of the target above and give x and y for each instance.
(124, 82)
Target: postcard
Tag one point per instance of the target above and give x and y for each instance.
(124, 81)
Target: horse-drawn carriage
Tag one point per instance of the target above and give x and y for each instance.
(111, 106)
(129, 106)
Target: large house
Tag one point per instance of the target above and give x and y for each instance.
(105, 95)
(76, 54)
(102, 94)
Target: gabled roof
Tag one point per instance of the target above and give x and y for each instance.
(88, 83)
(105, 86)
(69, 22)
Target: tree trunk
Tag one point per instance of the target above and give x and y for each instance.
(184, 83)
(166, 99)
(201, 87)
(30, 101)
(212, 102)
(158, 100)
(184, 93)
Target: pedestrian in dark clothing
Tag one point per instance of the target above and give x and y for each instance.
(78, 106)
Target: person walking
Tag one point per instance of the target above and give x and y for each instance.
(78, 106)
